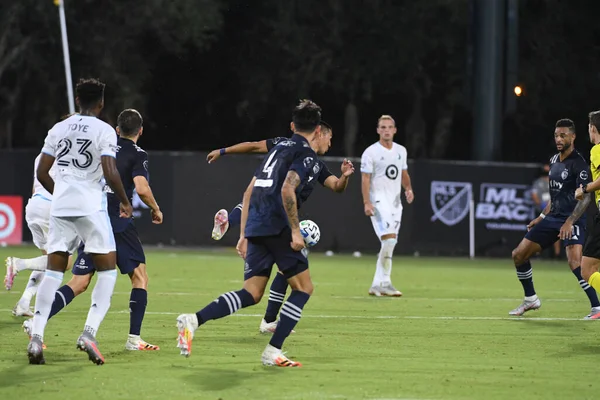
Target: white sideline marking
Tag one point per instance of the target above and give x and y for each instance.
(442, 318)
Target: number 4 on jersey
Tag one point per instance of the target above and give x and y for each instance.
(267, 169)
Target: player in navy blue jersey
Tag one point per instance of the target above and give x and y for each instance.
(132, 164)
(270, 234)
(224, 221)
(563, 218)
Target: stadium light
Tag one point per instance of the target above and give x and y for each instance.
(518, 91)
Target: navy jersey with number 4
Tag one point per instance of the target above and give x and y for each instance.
(565, 178)
(132, 161)
(319, 174)
(266, 215)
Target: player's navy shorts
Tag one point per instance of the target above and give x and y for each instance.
(545, 233)
(592, 244)
(264, 251)
(130, 253)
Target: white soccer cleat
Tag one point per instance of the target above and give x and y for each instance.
(11, 272)
(274, 357)
(526, 306)
(594, 314)
(135, 343)
(375, 291)
(269, 327)
(186, 326)
(221, 224)
(387, 289)
(19, 311)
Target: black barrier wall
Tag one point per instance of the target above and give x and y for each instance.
(190, 191)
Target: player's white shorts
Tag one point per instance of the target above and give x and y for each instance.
(94, 230)
(37, 215)
(387, 220)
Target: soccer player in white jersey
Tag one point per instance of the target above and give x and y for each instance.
(37, 215)
(381, 165)
(84, 148)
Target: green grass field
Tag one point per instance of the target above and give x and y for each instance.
(449, 337)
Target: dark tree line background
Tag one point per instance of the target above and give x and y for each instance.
(209, 73)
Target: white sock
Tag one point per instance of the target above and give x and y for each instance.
(105, 285)
(37, 264)
(385, 259)
(378, 277)
(34, 281)
(45, 298)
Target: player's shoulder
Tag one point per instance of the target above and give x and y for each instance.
(399, 148)
(555, 158)
(372, 148)
(595, 151)
(579, 158)
(139, 149)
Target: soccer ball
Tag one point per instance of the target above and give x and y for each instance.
(311, 232)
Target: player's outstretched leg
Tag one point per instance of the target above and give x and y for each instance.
(21, 309)
(521, 257)
(227, 304)
(221, 224)
(101, 296)
(15, 265)
(276, 295)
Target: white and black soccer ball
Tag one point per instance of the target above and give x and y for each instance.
(311, 232)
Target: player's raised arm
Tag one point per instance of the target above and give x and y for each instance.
(336, 184)
(240, 148)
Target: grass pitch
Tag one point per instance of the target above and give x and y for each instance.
(448, 337)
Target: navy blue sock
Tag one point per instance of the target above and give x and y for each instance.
(63, 296)
(290, 315)
(227, 304)
(137, 308)
(276, 296)
(591, 293)
(525, 275)
(235, 216)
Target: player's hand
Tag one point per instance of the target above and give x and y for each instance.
(297, 242)
(126, 210)
(347, 168)
(369, 210)
(533, 223)
(579, 193)
(242, 247)
(157, 216)
(410, 196)
(566, 231)
(213, 155)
